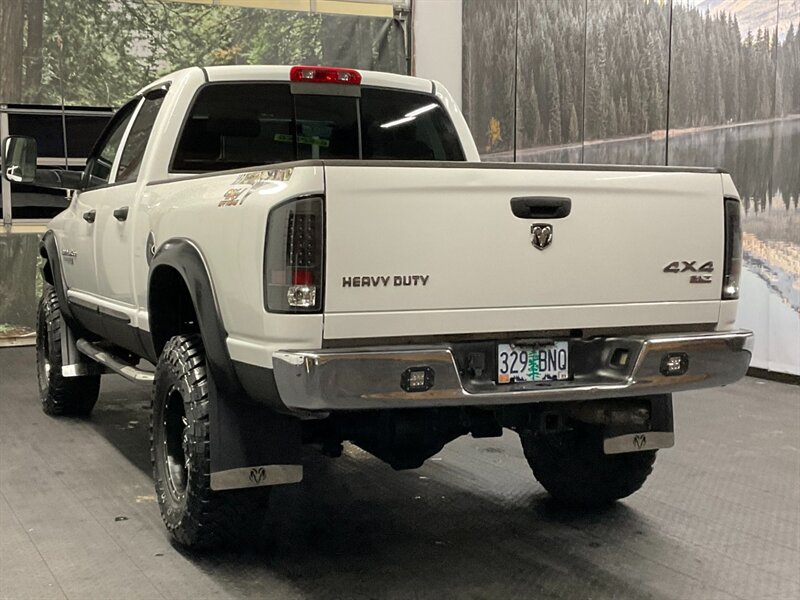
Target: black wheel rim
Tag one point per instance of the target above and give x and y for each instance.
(176, 437)
(43, 364)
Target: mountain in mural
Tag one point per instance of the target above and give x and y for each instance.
(754, 14)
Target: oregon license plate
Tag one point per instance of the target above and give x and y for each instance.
(546, 362)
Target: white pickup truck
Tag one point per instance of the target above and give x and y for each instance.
(313, 255)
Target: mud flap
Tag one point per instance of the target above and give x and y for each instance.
(661, 433)
(251, 445)
(638, 442)
(75, 364)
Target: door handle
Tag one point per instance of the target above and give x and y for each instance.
(89, 216)
(541, 207)
(121, 213)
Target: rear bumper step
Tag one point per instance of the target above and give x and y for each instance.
(371, 378)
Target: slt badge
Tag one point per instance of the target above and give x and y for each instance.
(541, 235)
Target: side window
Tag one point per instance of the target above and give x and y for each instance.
(98, 167)
(135, 145)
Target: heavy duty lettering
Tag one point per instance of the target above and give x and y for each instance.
(385, 280)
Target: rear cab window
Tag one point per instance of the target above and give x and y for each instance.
(237, 125)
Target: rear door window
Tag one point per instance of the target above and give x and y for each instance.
(131, 159)
(98, 167)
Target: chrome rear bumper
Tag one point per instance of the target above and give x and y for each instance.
(370, 378)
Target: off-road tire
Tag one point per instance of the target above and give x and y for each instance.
(572, 467)
(68, 396)
(195, 516)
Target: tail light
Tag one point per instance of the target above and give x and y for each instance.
(325, 75)
(733, 249)
(293, 257)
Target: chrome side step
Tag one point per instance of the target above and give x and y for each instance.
(128, 371)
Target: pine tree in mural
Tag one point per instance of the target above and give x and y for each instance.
(553, 102)
(719, 74)
(574, 131)
(100, 52)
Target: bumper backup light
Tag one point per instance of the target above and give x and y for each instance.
(417, 379)
(674, 364)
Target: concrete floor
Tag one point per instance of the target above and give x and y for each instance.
(719, 518)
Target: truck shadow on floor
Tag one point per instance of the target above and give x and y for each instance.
(357, 529)
(122, 416)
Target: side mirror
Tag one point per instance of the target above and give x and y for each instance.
(19, 159)
(19, 166)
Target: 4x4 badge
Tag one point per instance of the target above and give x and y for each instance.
(682, 266)
(541, 235)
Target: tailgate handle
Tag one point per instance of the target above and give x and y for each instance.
(541, 207)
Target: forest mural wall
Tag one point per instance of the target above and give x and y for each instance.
(99, 52)
(690, 82)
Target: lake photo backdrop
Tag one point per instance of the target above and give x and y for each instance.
(682, 82)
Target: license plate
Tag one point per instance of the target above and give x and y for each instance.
(548, 362)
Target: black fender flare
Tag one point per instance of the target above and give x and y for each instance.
(48, 250)
(243, 434)
(185, 257)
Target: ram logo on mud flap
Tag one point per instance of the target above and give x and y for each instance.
(640, 441)
(258, 475)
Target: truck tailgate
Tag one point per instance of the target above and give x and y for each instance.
(418, 250)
